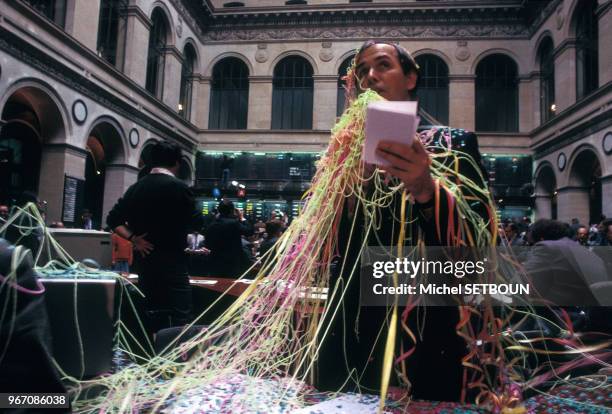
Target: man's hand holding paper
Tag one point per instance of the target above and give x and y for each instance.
(391, 144)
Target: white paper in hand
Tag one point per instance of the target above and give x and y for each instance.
(389, 121)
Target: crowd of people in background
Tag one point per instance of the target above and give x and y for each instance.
(219, 248)
(568, 264)
(230, 244)
(516, 232)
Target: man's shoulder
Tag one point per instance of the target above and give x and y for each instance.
(161, 181)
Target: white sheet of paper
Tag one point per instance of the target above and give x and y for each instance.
(345, 404)
(389, 121)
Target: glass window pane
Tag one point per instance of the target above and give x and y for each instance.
(229, 89)
(497, 94)
(155, 57)
(432, 88)
(586, 49)
(292, 90)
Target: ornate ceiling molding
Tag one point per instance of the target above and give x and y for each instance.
(443, 19)
(366, 32)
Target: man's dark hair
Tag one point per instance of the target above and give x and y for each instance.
(546, 229)
(273, 227)
(165, 154)
(406, 60)
(226, 208)
(606, 223)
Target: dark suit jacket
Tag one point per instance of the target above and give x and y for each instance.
(163, 207)
(562, 271)
(224, 239)
(26, 365)
(354, 330)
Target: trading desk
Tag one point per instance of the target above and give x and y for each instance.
(81, 314)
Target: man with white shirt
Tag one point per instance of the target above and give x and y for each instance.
(156, 214)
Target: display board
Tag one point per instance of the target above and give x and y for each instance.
(256, 166)
(296, 208)
(72, 204)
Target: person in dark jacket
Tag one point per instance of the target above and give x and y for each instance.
(224, 240)
(274, 229)
(156, 214)
(26, 364)
(560, 269)
(352, 352)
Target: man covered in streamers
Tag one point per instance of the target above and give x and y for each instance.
(351, 348)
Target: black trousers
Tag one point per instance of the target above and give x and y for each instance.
(168, 299)
(352, 347)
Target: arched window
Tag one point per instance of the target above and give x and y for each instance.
(497, 94)
(54, 10)
(586, 48)
(432, 88)
(547, 80)
(189, 57)
(229, 98)
(112, 28)
(292, 94)
(20, 155)
(156, 55)
(341, 91)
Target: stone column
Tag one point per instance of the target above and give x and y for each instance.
(136, 45)
(119, 177)
(527, 105)
(260, 102)
(606, 196)
(173, 65)
(543, 206)
(565, 76)
(462, 101)
(324, 102)
(58, 160)
(604, 30)
(536, 87)
(573, 202)
(82, 18)
(200, 106)
(194, 82)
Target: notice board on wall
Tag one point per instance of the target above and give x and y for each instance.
(72, 203)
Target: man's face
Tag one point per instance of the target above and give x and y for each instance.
(379, 69)
(4, 212)
(509, 232)
(583, 233)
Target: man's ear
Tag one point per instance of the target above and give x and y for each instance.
(411, 80)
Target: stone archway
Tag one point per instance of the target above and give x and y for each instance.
(30, 153)
(583, 197)
(545, 193)
(104, 151)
